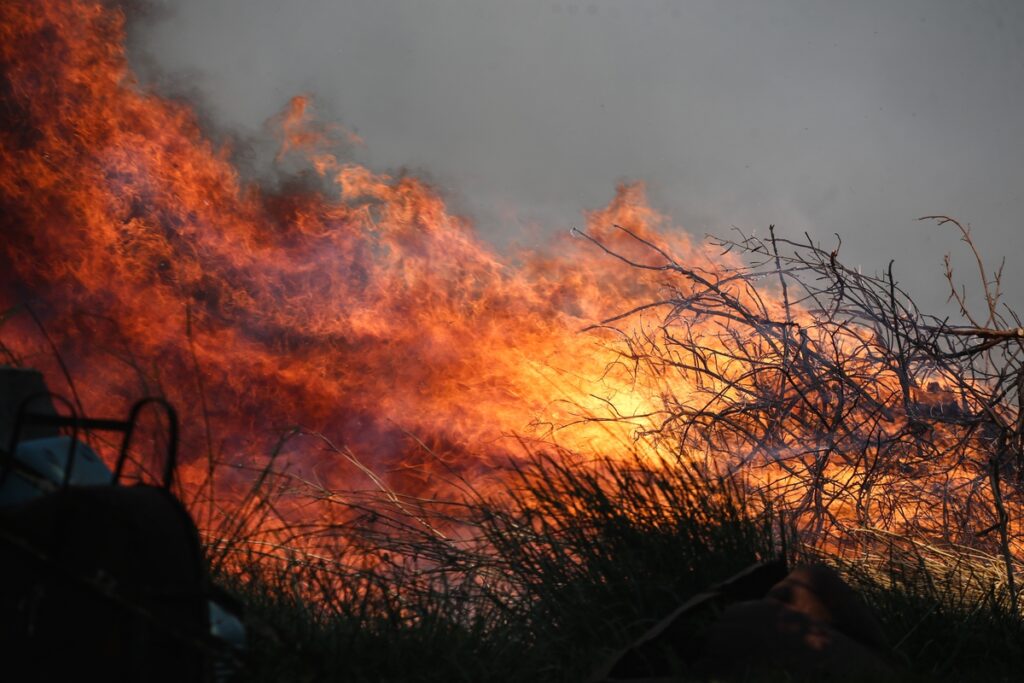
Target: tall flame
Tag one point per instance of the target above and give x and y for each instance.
(356, 306)
(369, 313)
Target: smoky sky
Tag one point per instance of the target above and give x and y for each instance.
(826, 117)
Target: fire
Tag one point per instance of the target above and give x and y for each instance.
(355, 305)
(369, 313)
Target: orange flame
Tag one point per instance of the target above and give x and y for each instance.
(365, 312)
(370, 315)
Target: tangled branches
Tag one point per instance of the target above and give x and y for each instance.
(834, 396)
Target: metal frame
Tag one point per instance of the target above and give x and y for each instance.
(78, 424)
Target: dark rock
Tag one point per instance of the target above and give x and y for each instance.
(763, 624)
(821, 594)
(767, 638)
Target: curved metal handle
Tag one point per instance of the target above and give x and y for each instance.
(77, 424)
(170, 465)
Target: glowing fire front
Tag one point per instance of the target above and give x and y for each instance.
(365, 312)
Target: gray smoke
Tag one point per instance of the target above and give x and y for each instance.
(826, 117)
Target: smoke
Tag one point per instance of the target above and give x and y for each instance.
(849, 118)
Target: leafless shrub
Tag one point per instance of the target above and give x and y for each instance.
(831, 392)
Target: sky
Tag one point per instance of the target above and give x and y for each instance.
(849, 117)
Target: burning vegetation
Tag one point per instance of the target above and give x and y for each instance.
(354, 367)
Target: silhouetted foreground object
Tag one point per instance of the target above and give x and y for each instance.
(99, 581)
(763, 624)
(103, 583)
(16, 386)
